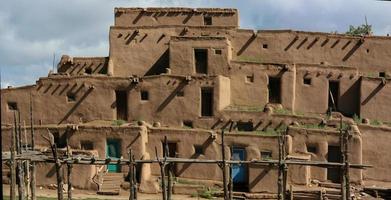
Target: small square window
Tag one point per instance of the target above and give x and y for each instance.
(307, 81)
(180, 93)
(144, 95)
(266, 155)
(312, 149)
(250, 79)
(188, 124)
(245, 126)
(198, 149)
(86, 145)
(207, 20)
(382, 74)
(12, 106)
(265, 46)
(88, 70)
(71, 97)
(218, 51)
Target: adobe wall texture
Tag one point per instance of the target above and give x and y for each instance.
(263, 81)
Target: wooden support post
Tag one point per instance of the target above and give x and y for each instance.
(32, 183)
(53, 146)
(281, 165)
(162, 165)
(13, 164)
(342, 147)
(20, 176)
(168, 166)
(224, 166)
(69, 172)
(13, 174)
(285, 166)
(131, 186)
(347, 165)
(231, 185)
(134, 178)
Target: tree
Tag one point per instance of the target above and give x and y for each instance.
(364, 29)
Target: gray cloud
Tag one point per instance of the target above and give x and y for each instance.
(31, 31)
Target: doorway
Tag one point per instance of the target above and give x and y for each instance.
(334, 155)
(274, 87)
(333, 95)
(121, 101)
(201, 61)
(172, 152)
(239, 171)
(113, 147)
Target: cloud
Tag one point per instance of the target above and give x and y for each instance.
(31, 31)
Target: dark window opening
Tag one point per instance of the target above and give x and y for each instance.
(265, 46)
(59, 140)
(201, 61)
(88, 70)
(71, 97)
(382, 74)
(121, 104)
(274, 87)
(103, 70)
(218, 51)
(207, 20)
(86, 145)
(245, 126)
(312, 149)
(180, 93)
(333, 95)
(12, 106)
(198, 149)
(144, 95)
(266, 155)
(334, 155)
(307, 81)
(250, 79)
(188, 124)
(207, 102)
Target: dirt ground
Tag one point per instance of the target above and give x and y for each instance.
(48, 194)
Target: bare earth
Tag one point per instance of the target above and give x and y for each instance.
(91, 195)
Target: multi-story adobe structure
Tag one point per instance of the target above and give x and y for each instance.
(184, 73)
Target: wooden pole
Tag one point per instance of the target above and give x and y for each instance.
(131, 195)
(53, 146)
(32, 183)
(134, 177)
(280, 169)
(223, 167)
(20, 162)
(342, 147)
(346, 167)
(69, 173)
(230, 184)
(168, 167)
(162, 165)
(13, 174)
(13, 164)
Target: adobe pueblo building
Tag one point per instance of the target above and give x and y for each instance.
(189, 74)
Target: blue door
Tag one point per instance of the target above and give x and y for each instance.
(239, 172)
(113, 151)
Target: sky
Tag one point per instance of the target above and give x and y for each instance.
(34, 33)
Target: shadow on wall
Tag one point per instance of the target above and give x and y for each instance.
(245, 46)
(180, 87)
(76, 105)
(185, 166)
(258, 179)
(160, 65)
(373, 93)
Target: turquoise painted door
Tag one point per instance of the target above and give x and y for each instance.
(113, 151)
(239, 174)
